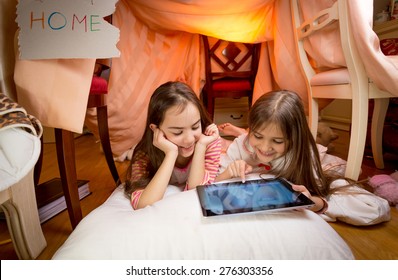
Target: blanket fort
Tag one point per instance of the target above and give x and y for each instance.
(66, 29)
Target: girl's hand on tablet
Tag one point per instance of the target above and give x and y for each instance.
(239, 168)
(302, 189)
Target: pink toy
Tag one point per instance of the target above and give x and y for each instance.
(395, 175)
(386, 187)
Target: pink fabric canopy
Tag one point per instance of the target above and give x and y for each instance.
(159, 41)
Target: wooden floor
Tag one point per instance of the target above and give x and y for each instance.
(373, 242)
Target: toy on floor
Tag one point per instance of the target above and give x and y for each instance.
(386, 186)
(325, 136)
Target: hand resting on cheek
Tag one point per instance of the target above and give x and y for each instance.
(210, 134)
(161, 142)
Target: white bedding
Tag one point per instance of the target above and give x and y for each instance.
(174, 229)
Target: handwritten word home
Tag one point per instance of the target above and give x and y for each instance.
(58, 21)
(66, 29)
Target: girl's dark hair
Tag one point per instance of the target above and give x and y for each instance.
(301, 164)
(167, 95)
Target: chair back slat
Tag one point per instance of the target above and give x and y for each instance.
(232, 66)
(226, 58)
(319, 21)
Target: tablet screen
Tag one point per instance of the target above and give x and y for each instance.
(251, 196)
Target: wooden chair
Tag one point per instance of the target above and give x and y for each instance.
(65, 146)
(350, 83)
(231, 68)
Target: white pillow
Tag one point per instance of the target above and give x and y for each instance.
(174, 229)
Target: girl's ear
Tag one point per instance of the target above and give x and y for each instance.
(152, 126)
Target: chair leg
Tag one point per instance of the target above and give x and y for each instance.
(313, 112)
(356, 148)
(67, 168)
(203, 96)
(210, 106)
(378, 118)
(38, 165)
(102, 118)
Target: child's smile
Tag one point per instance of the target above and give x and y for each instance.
(183, 128)
(268, 143)
(186, 150)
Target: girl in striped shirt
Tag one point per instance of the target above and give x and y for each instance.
(180, 146)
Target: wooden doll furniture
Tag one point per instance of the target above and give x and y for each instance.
(350, 83)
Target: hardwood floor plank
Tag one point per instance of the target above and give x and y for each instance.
(378, 242)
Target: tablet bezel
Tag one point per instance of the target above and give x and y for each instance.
(304, 201)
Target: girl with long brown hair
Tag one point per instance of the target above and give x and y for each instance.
(180, 146)
(279, 142)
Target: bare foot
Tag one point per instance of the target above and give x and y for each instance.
(231, 130)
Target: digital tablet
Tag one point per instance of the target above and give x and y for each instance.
(251, 196)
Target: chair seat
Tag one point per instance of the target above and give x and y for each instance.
(99, 85)
(232, 85)
(332, 77)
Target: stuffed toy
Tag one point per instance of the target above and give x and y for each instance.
(394, 176)
(325, 136)
(386, 186)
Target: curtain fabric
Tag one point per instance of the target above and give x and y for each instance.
(159, 41)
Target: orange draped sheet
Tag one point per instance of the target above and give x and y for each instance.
(383, 70)
(159, 42)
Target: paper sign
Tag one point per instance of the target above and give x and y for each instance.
(66, 29)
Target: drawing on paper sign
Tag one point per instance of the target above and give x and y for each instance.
(66, 29)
